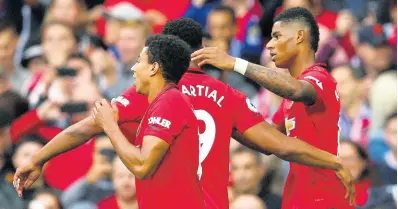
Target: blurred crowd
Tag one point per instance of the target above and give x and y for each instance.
(59, 56)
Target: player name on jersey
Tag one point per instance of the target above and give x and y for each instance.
(204, 91)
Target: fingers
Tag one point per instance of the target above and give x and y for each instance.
(18, 184)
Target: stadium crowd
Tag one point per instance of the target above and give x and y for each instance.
(57, 57)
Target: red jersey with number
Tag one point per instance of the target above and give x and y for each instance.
(175, 183)
(311, 187)
(219, 109)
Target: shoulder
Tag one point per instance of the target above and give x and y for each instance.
(319, 74)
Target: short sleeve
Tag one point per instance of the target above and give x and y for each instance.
(279, 117)
(318, 80)
(131, 106)
(246, 114)
(163, 120)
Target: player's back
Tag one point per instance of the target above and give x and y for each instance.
(317, 125)
(218, 107)
(174, 184)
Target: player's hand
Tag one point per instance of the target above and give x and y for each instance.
(213, 56)
(346, 178)
(26, 175)
(105, 114)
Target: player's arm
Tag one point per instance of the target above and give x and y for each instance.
(142, 162)
(267, 139)
(279, 83)
(68, 139)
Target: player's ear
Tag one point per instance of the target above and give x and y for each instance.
(300, 36)
(155, 69)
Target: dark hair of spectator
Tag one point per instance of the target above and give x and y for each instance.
(7, 24)
(227, 9)
(51, 192)
(363, 155)
(61, 23)
(29, 138)
(5, 118)
(299, 14)
(243, 149)
(186, 29)
(389, 118)
(80, 56)
(171, 53)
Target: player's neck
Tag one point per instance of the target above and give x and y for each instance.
(303, 60)
(156, 87)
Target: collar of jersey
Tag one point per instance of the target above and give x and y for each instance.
(195, 70)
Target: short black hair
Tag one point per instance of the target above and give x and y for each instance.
(299, 14)
(7, 24)
(186, 29)
(227, 9)
(171, 53)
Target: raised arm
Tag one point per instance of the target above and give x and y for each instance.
(279, 83)
(142, 162)
(68, 139)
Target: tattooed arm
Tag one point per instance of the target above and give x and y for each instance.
(281, 84)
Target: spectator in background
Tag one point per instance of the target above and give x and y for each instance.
(23, 151)
(71, 12)
(8, 44)
(355, 113)
(8, 197)
(86, 192)
(116, 15)
(387, 166)
(382, 99)
(58, 42)
(248, 202)
(45, 199)
(373, 50)
(124, 183)
(221, 25)
(114, 78)
(34, 62)
(357, 160)
(10, 101)
(247, 172)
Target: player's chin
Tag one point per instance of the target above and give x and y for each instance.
(280, 64)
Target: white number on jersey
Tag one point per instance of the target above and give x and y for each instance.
(206, 139)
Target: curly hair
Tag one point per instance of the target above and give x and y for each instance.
(299, 14)
(186, 29)
(171, 53)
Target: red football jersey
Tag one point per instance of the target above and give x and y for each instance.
(219, 109)
(175, 183)
(311, 187)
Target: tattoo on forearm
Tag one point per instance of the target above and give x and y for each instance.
(282, 85)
